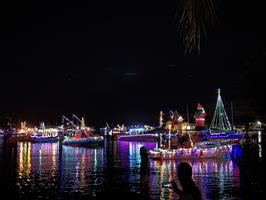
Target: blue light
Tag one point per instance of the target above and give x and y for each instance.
(237, 152)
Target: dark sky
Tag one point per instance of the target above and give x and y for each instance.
(122, 61)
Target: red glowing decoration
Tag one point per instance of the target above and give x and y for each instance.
(200, 116)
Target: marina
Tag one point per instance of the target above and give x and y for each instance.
(141, 100)
(75, 161)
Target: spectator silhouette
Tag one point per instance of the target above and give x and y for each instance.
(144, 173)
(145, 164)
(189, 191)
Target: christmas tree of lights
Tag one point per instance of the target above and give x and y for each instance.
(220, 120)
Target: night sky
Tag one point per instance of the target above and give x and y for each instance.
(123, 62)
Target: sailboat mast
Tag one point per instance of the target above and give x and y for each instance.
(187, 118)
(161, 119)
(187, 115)
(232, 115)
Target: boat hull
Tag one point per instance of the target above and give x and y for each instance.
(17, 138)
(139, 137)
(223, 137)
(89, 141)
(44, 139)
(190, 153)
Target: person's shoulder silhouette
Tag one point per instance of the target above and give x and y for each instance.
(189, 191)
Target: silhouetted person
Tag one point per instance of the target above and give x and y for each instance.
(144, 172)
(145, 164)
(189, 191)
(143, 153)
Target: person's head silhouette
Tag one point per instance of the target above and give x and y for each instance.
(184, 172)
(189, 188)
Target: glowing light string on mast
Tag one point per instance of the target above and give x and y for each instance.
(220, 120)
(161, 119)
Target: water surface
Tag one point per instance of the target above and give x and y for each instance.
(52, 171)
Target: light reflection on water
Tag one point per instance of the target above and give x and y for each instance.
(214, 177)
(82, 170)
(37, 167)
(259, 144)
(50, 170)
(44, 170)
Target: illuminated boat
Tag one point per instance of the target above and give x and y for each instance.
(2, 132)
(44, 138)
(223, 136)
(83, 141)
(44, 134)
(20, 135)
(202, 150)
(220, 128)
(115, 131)
(81, 136)
(141, 133)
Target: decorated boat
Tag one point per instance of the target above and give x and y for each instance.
(220, 127)
(140, 133)
(83, 141)
(202, 150)
(114, 132)
(215, 142)
(44, 138)
(20, 135)
(44, 134)
(81, 135)
(232, 136)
